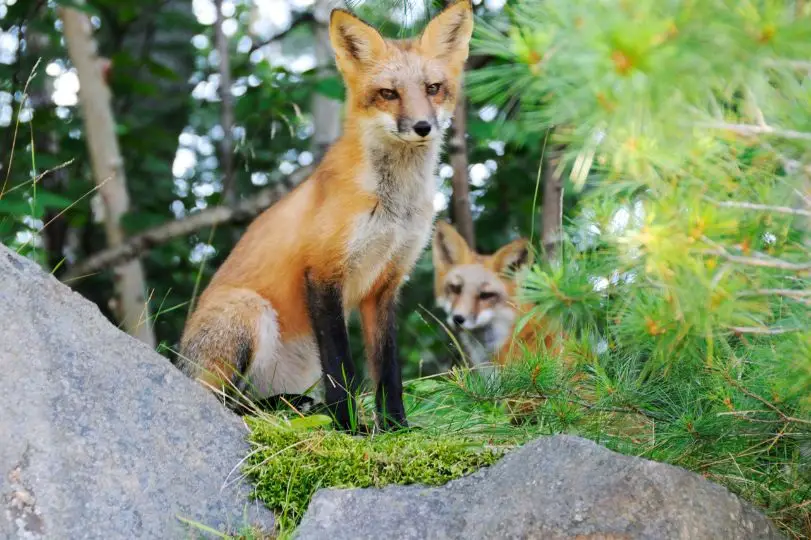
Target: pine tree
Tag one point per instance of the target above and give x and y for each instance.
(685, 280)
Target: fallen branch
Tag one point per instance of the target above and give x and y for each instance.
(135, 246)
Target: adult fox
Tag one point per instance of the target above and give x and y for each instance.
(273, 317)
(479, 297)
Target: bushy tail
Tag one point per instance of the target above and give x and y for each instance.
(219, 341)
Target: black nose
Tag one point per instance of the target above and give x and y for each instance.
(458, 319)
(422, 128)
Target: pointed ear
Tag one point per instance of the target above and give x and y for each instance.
(513, 257)
(447, 36)
(355, 43)
(449, 248)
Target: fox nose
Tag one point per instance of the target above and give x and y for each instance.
(458, 320)
(422, 128)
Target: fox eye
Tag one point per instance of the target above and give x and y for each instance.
(487, 295)
(454, 289)
(433, 89)
(389, 95)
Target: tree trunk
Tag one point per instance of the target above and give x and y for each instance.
(460, 184)
(226, 110)
(326, 111)
(552, 216)
(108, 169)
(457, 151)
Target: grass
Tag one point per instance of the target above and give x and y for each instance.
(293, 458)
(464, 421)
(245, 532)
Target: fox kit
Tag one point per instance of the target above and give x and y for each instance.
(272, 320)
(478, 296)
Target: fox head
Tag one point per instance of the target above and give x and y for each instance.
(476, 291)
(403, 90)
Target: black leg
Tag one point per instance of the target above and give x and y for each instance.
(325, 306)
(389, 392)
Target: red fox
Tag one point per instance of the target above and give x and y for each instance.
(479, 297)
(273, 319)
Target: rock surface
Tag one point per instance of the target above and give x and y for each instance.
(553, 488)
(101, 437)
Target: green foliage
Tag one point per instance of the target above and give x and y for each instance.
(290, 461)
(684, 285)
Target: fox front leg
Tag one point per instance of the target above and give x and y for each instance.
(378, 315)
(326, 311)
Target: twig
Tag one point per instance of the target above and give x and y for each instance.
(765, 207)
(765, 402)
(763, 262)
(790, 165)
(799, 65)
(792, 293)
(306, 17)
(750, 129)
(763, 330)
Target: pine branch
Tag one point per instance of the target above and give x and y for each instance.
(762, 260)
(137, 245)
(755, 206)
(766, 262)
(802, 296)
(751, 129)
(791, 165)
(763, 330)
(799, 65)
(786, 418)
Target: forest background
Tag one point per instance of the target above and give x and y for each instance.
(658, 154)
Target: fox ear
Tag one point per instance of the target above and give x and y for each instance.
(355, 42)
(447, 36)
(449, 248)
(513, 257)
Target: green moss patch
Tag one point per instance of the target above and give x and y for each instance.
(293, 459)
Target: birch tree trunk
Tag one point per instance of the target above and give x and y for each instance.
(108, 169)
(226, 110)
(326, 111)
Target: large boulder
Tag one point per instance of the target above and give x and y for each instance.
(100, 437)
(553, 488)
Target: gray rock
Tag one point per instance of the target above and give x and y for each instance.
(552, 488)
(101, 437)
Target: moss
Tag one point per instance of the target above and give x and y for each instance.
(290, 462)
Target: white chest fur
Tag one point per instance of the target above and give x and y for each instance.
(398, 228)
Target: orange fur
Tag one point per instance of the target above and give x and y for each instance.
(477, 287)
(359, 222)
